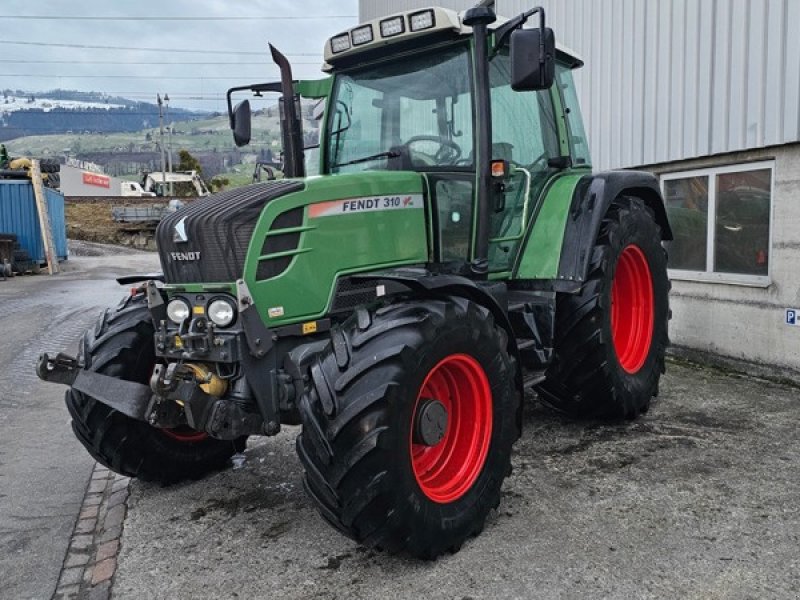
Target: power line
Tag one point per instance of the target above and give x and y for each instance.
(176, 50)
(170, 77)
(148, 63)
(127, 94)
(161, 18)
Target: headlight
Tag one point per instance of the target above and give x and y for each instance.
(394, 26)
(221, 313)
(422, 20)
(340, 43)
(178, 311)
(362, 35)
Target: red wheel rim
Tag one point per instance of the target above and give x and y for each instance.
(632, 310)
(447, 470)
(185, 434)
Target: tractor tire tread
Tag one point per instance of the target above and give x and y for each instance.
(584, 379)
(350, 471)
(121, 345)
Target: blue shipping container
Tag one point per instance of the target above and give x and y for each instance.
(18, 215)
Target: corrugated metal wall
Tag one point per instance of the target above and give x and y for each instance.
(672, 79)
(18, 215)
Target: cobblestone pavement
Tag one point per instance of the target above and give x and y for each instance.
(91, 559)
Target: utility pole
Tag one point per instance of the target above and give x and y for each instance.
(161, 142)
(169, 142)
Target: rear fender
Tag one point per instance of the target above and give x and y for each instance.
(590, 202)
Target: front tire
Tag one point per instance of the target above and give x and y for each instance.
(375, 471)
(121, 345)
(611, 337)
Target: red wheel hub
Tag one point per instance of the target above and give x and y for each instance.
(185, 434)
(632, 309)
(447, 470)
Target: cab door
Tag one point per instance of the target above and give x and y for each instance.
(525, 135)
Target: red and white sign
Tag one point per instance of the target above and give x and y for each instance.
(364, 204)
(96, 180)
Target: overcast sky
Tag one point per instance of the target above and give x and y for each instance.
(199, 86)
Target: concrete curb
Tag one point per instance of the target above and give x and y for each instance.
(91, 560)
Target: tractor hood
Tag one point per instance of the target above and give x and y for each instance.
(206, 241)
(292, 240)
(337, 225)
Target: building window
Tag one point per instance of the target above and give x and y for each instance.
(721, 219)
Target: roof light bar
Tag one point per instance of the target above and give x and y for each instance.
(392, 27)
(340, 43)
(362, 35)
(422, 20)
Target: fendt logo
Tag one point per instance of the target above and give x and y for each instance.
(184, 256)
(180, 236)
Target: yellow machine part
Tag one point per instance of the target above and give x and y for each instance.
(210, 382)
(20, 163)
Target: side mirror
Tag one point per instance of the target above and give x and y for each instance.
(240, 123)
(533, 53)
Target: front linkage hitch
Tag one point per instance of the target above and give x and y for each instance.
(173, 398)
(183, 391)
(128, 397)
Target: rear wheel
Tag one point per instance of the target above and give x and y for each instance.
(611, 337)
(121, 345)
(408, 427)
(49, 165)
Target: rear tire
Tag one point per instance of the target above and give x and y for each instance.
(49, 165)
(366, 468)
(121, 345)
(53, 181)
(610, 339)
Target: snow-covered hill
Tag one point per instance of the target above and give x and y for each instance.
(12, 103)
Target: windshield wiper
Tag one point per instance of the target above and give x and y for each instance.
(355, 161)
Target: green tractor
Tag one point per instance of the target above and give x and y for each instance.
(454, 252)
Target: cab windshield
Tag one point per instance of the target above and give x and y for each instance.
(409, 114)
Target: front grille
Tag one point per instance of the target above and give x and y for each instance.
(218, 227)
(280, 242)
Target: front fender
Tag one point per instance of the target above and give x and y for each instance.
(490, 295)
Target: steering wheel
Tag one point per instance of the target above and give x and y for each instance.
(448, 153)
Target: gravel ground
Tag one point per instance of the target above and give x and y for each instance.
(84, 248)
(696, 499)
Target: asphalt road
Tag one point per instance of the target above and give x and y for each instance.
(43, 468)
(698, 499)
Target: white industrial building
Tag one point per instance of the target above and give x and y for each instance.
(707, 95)
(84, 179)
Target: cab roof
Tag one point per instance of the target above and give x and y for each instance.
(369, 36)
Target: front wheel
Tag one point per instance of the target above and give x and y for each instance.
(409, 423)
(122, 345)
(611, 337)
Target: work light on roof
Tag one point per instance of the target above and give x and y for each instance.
(394, 26)
(362, 35)
(422, 20)
(340, 43)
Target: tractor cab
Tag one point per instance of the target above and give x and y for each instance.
(404, 95)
